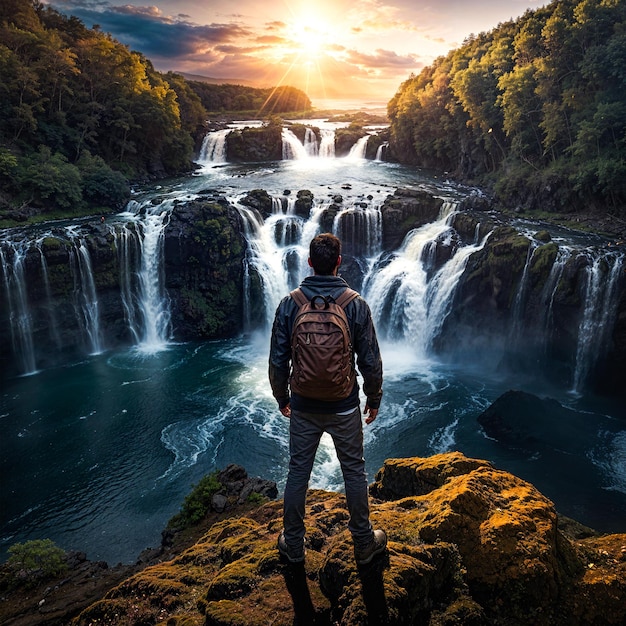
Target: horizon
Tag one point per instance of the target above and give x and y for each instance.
(337, 49)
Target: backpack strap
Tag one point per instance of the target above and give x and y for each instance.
(299, 298)
(346, 297)
(343, 300)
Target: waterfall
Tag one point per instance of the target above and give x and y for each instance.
(310, 143)
(548, 294)
(327, 144)
(85, 296)
(358, 149)
(213, 149)
(128, 246)
(360, 230)
(381, 150)
(406, 304)
(54, 326)
(20, 317)
(599, 310)
(264, 256)
(277, 253)
(517, 312)
(145, 299)
(292, 148)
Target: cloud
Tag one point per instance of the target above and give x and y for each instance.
(384, 59)
(363, 44)
(152, 33)
(271, 39)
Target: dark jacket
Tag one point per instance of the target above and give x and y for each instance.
(364, 343)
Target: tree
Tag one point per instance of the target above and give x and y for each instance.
(36, 559)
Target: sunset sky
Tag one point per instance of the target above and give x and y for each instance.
(329, 48)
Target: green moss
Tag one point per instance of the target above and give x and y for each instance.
(543, 260)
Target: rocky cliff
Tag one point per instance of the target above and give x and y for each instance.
(524, 299)
(468, 544)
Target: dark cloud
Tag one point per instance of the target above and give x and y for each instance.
(232, 49)
(146, 30)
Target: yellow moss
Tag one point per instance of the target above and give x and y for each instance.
(227, 528)
(235, 579)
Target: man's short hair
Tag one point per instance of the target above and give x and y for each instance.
(324, 253)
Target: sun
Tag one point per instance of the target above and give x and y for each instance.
(311, 43)
(312, 48)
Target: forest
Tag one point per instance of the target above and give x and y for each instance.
(535, 109)
(81, 115)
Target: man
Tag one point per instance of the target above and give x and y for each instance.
(310, 417)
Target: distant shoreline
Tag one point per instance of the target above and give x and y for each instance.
(375, 107)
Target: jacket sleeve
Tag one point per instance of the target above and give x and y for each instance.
(280, 354)
(367, 352)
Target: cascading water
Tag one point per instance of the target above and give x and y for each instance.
(292, 148)
(327, 144)
(52, 316)
(380, 151)
(407, 304)
(85, 296)
(598, 312)
(517, 317)
(310, 143)
(358, 149)
(20, 320)
(148, 311)
(213, 149)
(360, 230)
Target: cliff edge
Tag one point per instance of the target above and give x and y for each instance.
(468, 544)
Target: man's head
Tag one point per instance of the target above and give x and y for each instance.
(325, 254)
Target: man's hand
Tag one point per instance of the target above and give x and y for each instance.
(371, 414)
(286, 410)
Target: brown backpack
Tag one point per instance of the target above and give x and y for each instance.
(322, 364)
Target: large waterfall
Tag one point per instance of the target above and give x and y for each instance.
(411, 290)
(128, 404)
(138, 236)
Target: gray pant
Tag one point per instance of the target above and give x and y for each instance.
(305, 432)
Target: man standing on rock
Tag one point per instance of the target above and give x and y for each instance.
(302, 382)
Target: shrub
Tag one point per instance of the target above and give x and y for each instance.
(102, 185)
(37, 559)
(198, 503)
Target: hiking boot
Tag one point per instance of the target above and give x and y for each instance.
(376, 546)
(293, 556)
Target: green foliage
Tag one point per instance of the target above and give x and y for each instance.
(101, 184)
(198, 503)
(541, 98)
(256, 498)
(77, 105)
(50, 180)
(35, 560)
(283, 99)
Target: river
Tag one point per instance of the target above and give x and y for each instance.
(99, 453)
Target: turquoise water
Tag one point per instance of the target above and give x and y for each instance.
(100, 454)
(97, 455)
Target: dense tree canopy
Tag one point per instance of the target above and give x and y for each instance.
(537, 106)
(81, 114)
(284, 99)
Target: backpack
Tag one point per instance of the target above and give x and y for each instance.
(321, 348)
